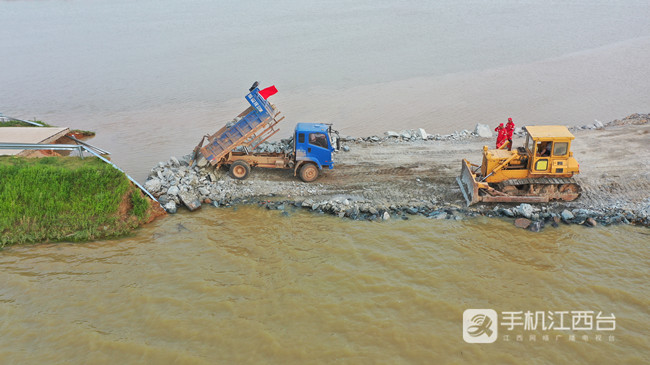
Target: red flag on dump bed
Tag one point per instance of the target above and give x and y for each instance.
(271, 90)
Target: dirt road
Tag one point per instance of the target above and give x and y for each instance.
(614, 169)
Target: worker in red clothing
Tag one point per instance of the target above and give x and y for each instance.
(501, 135)
(510, 129)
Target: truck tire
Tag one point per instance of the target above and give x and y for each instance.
(240, 170)
(308, 172)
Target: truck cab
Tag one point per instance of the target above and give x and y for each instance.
(313, 147)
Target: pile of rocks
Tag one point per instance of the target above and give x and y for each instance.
(524, 215)
(412, 135)
(281, 146)
(534, 218)
(175, 183)
(360, 209)
(634, 119)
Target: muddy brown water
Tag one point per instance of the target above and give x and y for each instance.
(249, 285)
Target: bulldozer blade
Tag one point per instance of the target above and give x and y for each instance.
(468, 184)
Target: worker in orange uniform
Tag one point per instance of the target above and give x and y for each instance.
(510, 129)
(501, 135)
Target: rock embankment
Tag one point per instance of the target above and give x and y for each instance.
(411, 172)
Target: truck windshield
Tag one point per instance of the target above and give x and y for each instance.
(318, 139)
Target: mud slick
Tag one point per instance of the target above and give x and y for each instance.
(408, 173)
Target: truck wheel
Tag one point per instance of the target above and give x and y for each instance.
(239, 170)
(308, 172)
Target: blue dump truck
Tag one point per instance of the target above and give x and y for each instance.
(234, 145)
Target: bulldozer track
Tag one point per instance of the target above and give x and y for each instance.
(539, 181)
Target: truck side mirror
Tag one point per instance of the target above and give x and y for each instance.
(255, 84)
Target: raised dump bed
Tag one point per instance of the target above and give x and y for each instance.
(253, 126)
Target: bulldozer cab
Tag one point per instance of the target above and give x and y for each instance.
(549, 150)
(540, 171)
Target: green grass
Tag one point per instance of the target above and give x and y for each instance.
(65, 199)
(84, 133)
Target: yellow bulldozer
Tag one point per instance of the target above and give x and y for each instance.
(540, 171)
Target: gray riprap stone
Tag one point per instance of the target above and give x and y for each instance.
(174, 161)
(153, 185)
(439, 215)
(173, 190)
(536, 226)
(525, 210)
(170, 207)
(190, 200)
(566, 215)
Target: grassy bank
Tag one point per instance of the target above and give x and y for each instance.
(66, 199)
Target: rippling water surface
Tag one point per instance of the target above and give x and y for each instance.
(249, 285)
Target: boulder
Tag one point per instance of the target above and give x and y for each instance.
(483, 130)
(422, 133)
(412, 210)
(173, 161)
(385, 216)
(153, 185)
(201, 162)
(439, 215)
(566, 215)
(522, 223)
(525, 210)
(163, 199)
(190, 200)
(536, 226)
(170, 207)
(173, 190)
(405, 134)
(590, 222)
(391, 134)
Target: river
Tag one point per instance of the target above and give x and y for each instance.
(248, 285)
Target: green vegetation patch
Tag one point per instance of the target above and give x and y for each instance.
(66, 199)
